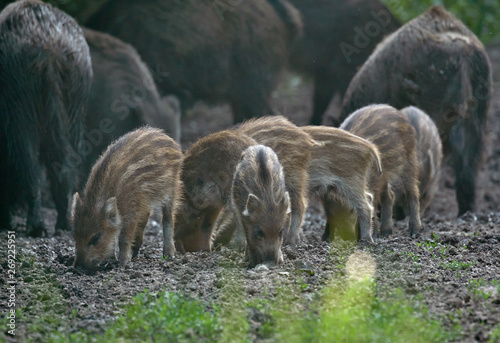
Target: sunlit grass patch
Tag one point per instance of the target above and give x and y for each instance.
(354, 314)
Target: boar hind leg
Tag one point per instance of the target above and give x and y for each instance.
(386, 203)
(226, 227)
(139, 236)
(125, 241)
(340, 221)
(168, 230)
(205, 243)
(61, 178)
(412, 194)
(324, 88)
(467, 146)
(5, 217)
(34, 221)
(298, 204)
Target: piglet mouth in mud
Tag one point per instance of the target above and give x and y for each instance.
(102, 267)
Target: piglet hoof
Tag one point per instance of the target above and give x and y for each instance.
(59, 230)
(37, 230)
(366, 242)
(124, 260)
(385, 233)
(326, 236)
(168, 252)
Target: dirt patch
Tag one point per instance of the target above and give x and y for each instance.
(452, 266)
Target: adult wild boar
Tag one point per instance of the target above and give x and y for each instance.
(214, 51)
(123, 96)
(339, 36)
(45, 79)
(437, 64)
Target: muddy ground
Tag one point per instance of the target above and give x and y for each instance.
(453, 263)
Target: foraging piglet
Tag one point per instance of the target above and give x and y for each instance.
(293, 148)
(341, 167)
(262, 204)
(430, 155)
(209, 166)
(138, 172)
(396, 141)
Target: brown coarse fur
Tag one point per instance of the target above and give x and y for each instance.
(123, 96)
(293, 147)
(429, 152)
(339, 175)
(437, 64)
(396, 141)
(206, 50)
(339, 36)
(138, 172)
(209, 166)
(261, 203)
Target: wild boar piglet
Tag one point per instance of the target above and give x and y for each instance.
(136, 174)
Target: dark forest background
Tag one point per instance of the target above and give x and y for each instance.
(481, 16)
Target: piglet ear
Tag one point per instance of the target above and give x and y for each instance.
(112, 214)
(253, 203)
(287, 203)
(77, 202)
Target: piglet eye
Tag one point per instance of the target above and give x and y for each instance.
(258, 232)
(95, 239)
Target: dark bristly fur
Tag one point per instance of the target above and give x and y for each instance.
(202, 50)
(123, 96)
(261, 204)
(138, 172)
(429, 152)
(396, 141)
(45, 78)
(341, 167)
(209, 166)
(435, 63)
(293, 147)
(332, 49)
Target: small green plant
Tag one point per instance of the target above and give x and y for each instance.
(412, 256)
(495, 335)
(455, 265)
(482, 289)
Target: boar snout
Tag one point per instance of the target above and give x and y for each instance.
(83, 267)
(270, 257)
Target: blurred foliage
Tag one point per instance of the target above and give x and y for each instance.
(481, 16)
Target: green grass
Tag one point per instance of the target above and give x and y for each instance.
(46, 308)
(456, 265)
(166, 317)
(343, 313)
(357, 315)
(481, 16)
(480, 288)
(495, 335)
